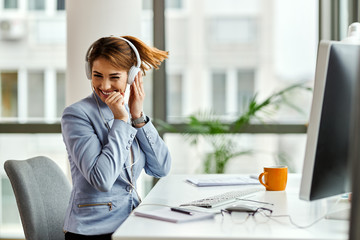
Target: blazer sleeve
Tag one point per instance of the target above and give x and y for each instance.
(157, 156)
(100, 165)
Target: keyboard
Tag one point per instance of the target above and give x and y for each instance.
(221, 199)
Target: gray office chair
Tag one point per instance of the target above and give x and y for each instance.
(42, 194)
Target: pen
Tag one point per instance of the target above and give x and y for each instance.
(181, 210)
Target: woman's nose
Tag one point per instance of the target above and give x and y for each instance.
(106, 84)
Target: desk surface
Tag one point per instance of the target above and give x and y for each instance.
(173, 190)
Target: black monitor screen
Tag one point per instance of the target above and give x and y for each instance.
(330, 173)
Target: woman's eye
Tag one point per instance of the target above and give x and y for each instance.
(115, 78)
(97, 76)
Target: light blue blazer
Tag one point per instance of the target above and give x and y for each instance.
(102, 197)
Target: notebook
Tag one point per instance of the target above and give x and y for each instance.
(165, 214)
(223, 181)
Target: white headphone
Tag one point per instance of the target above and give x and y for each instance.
(133, 70)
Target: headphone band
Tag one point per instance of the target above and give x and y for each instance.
(138, 60)
(133, 70)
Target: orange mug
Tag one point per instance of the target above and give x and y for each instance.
(275, 178)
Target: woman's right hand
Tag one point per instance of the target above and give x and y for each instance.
(116, 103)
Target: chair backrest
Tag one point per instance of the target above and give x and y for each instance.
(42, 193)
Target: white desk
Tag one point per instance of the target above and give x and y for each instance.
(173, 190)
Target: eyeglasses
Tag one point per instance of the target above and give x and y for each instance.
(260, 209)
(238, 216)
(250, 212)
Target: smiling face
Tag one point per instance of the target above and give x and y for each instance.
(107, 79)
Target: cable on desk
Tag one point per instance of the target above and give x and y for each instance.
(250, 200)
(297, 225)
(292, 222)
(270, 216)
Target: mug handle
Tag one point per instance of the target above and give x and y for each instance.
(261, 177)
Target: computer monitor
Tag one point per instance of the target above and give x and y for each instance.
(354, 231)
(326, 169)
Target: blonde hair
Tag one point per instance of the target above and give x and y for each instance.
(119, 53)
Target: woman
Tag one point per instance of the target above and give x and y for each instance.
(108, 141)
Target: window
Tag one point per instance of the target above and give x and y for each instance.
(218, 93)
(60, 5)
(147, 4)
(10, 4)
(225, 30)
(231, 92)
(36, 4)
(245, 89)
(60, 93)
(32, 94)
(174, 107)
(173, 4)
(9, 93)
(35, 103)
(229, 51)
(242, 36)
(8, 216)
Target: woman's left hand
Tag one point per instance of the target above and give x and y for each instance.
(137, 96)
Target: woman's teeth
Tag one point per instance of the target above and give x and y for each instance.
(106, 93)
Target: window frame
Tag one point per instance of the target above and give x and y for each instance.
(329, 27)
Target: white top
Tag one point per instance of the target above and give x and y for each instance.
(173, 190)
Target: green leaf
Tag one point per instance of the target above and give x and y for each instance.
(206, 124)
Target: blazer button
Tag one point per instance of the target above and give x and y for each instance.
(127, 147)
(130, 142)
(128, 188)
(132, 135)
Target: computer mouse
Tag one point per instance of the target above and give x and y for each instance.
(242, 208)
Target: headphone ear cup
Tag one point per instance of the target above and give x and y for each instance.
(132, 74)
(88, 70)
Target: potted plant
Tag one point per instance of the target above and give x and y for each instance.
(220, 134)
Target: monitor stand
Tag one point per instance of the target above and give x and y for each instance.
(340, 211)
